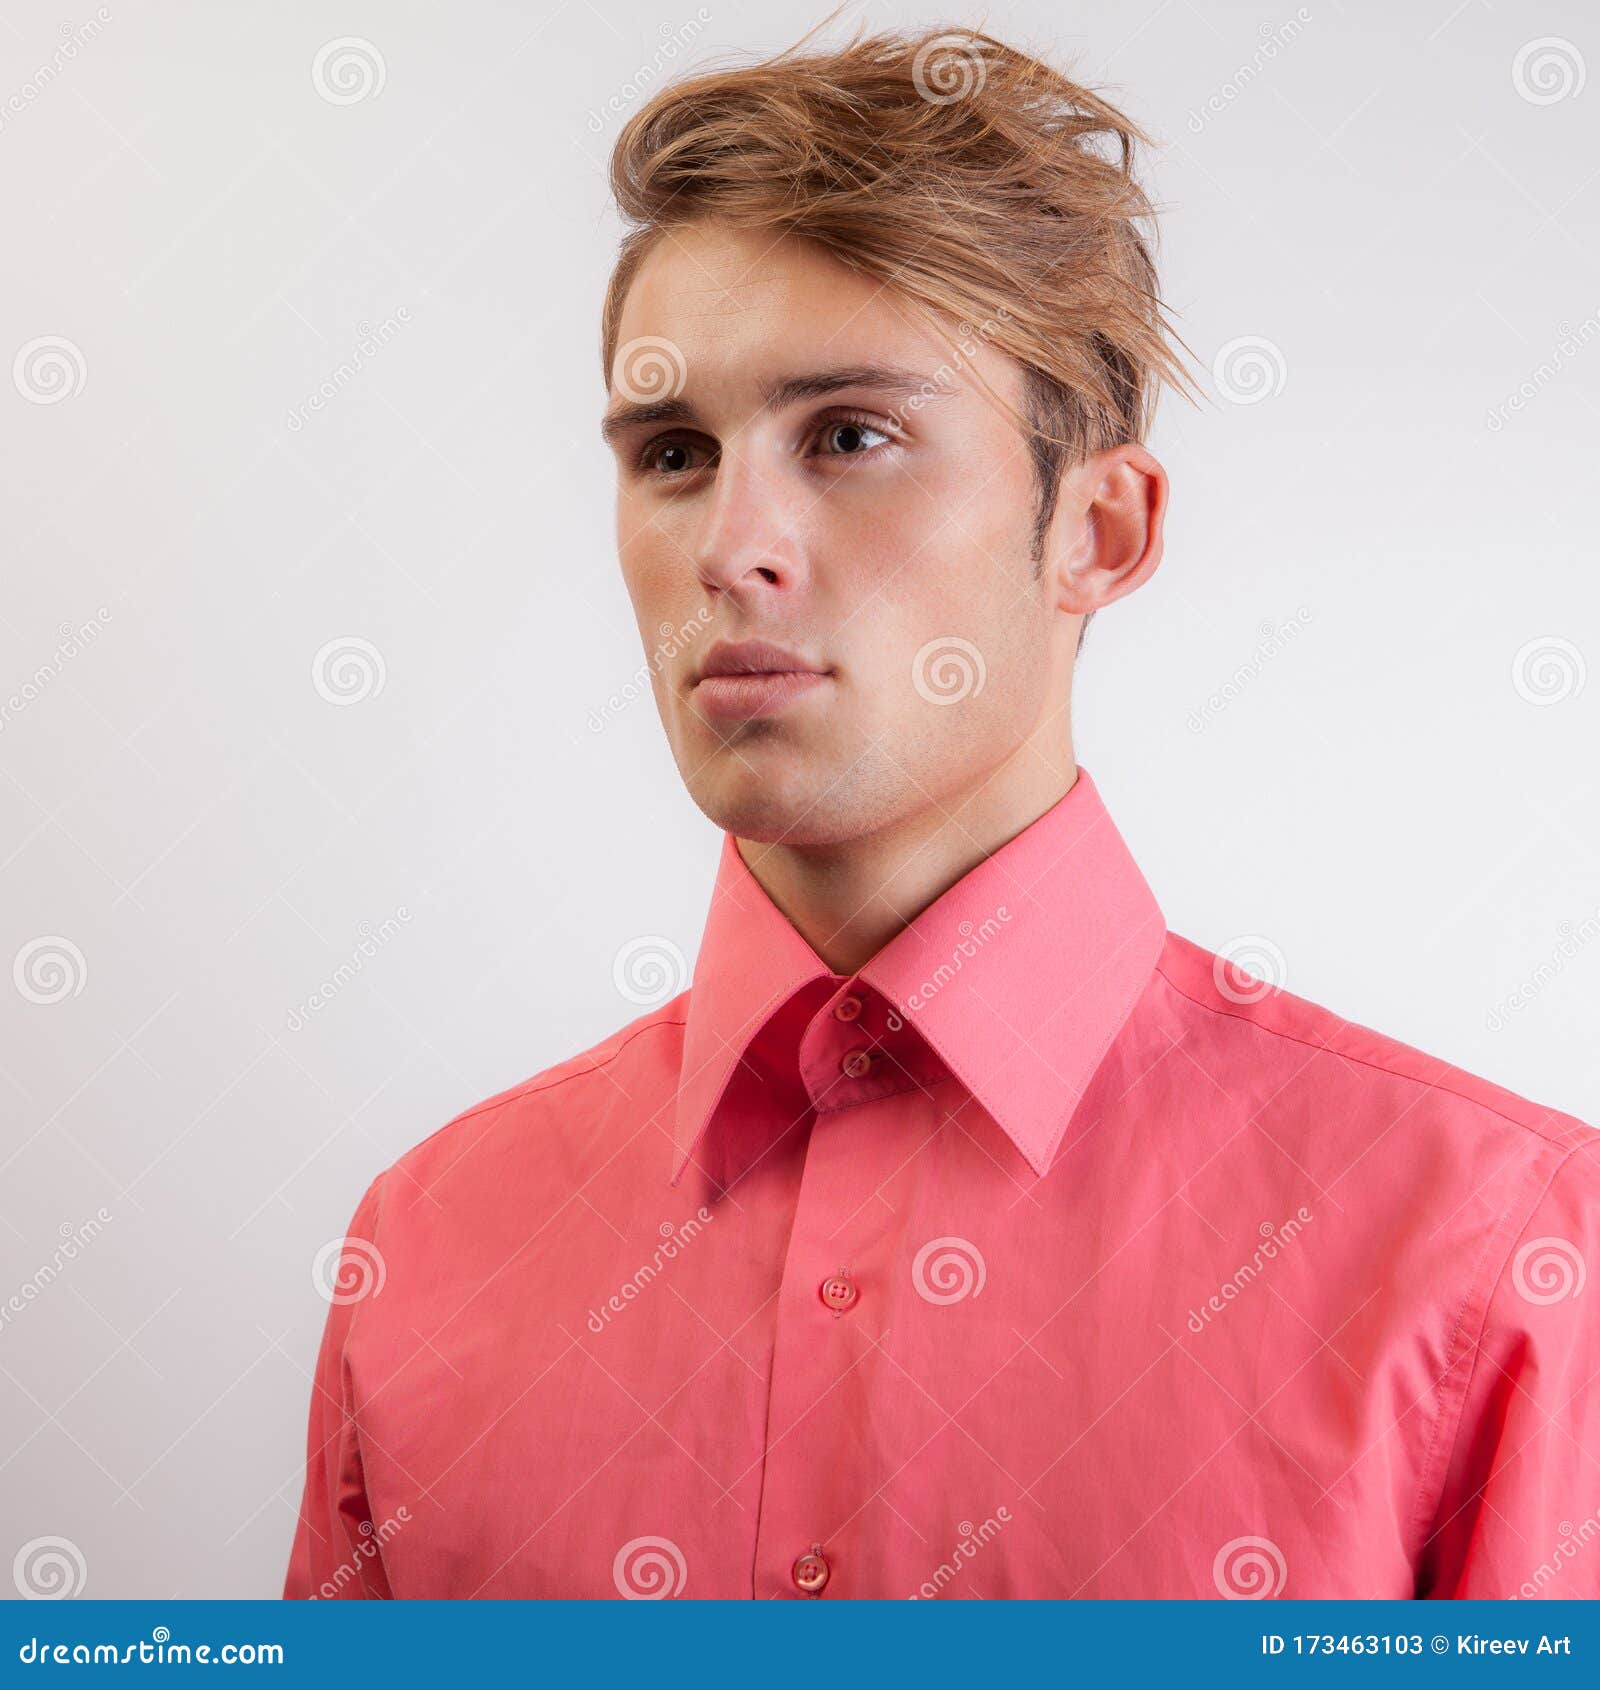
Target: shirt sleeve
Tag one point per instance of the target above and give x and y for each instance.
(1519, 1514)
(335, 1553)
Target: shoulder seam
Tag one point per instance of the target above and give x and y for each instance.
(1420, 1520)
(1377, 1067)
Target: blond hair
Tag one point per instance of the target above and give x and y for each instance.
(979, 182)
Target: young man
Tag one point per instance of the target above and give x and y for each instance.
(961, 1232)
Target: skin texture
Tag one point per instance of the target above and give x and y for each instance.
(885, 538)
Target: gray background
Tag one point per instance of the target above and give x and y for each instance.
(1345, 729)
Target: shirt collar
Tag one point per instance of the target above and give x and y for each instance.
(1019, 976)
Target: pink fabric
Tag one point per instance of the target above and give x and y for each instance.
(1112, 1273)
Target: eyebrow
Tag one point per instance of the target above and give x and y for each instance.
(778, 395)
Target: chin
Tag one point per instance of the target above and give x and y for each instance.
(794, 805)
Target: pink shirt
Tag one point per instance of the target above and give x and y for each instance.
(1048, 1256)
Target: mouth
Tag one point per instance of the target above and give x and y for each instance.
(739, 682)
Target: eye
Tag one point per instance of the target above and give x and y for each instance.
(851, 437)
(668, 457)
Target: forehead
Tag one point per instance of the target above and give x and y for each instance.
(737, 301)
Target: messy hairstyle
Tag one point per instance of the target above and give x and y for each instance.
(983, 185)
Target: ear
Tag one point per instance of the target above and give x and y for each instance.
(1106, 534)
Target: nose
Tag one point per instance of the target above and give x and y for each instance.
(749, 540)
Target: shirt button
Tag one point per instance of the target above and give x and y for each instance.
(857, 1063)
(847, 1009)
(839, 1292)
(811, 1573)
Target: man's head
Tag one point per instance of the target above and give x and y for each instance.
(882, 343)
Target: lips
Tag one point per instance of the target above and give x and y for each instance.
(748, 678)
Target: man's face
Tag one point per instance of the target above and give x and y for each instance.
(803, 462)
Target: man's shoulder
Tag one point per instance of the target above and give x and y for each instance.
(1250, 1019)
(645, 1046)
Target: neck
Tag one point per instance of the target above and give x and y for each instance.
(847, 900)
